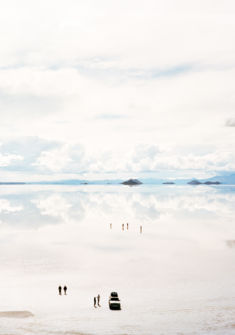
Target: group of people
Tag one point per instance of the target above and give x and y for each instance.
(127, 227)
(123, 226)
(60, 290)
(97, 300)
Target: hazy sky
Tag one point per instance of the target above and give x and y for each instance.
(111, 88)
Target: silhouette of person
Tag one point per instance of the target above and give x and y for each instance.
(95, 302)
(98, 300)
(127, 226)
(65, 290)
(59, 289)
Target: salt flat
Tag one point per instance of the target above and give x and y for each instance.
(177, 277)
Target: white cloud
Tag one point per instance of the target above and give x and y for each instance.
(67, 158)
(39, 159)
(136, 33)
(112, 75)
(142, 159)
(54, 160)
(6, 160)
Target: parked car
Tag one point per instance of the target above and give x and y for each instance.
(114, 301)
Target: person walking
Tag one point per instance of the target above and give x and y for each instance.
(60, 290)
(98, 300)
(65, 290)
(95, 302)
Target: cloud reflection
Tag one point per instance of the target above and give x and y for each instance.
(7, 207)
(55, 206)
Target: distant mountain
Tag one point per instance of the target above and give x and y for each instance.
(78, 182)
(225, 179)
(12, 183)
(132, 182)
(197, 182)
(212, 183)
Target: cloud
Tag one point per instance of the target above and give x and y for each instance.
(105, 77)
(137, 34)
(54, 160)
(7, 160)
(54, 205)
(44, 158)
(7, 207)
(21, 153)
(66, 158)
(64, 207)
(141, 159)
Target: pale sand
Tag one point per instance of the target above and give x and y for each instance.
(15, 314)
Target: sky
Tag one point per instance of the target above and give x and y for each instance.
(116, 89)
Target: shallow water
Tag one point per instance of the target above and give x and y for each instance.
(177, 277)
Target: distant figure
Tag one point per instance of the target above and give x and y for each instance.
(140, 229)
(98, 300)
(95, 302)
(127, 226)
(111, 225)
(123, 226)
(65, 290)
(60, 290)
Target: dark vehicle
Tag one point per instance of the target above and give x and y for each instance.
(114, 301)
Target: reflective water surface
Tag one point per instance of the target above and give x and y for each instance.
(176, 277)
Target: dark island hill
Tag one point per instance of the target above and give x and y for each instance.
(197, 182)
(132, 182)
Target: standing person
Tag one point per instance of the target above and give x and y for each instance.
(98, 300)
(59, 289)
(140, 229)
(123, 226)
(95, 302)
(65, 290)
(111, 225)
(127, 226)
